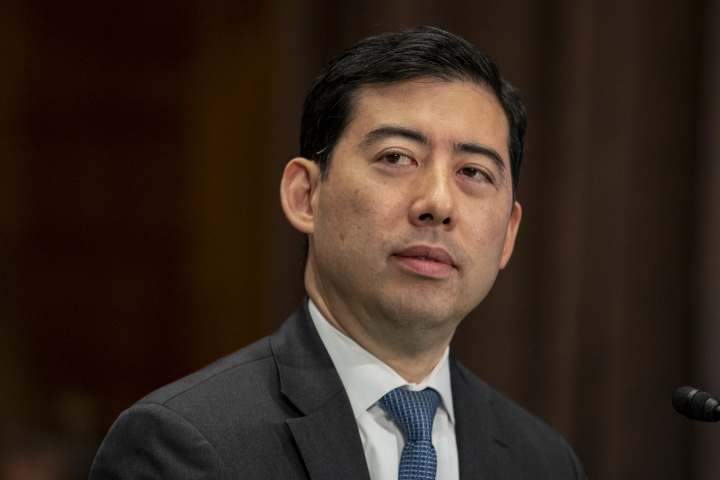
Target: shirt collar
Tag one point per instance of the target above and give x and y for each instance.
(366, 378)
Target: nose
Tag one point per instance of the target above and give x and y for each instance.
(433, 202)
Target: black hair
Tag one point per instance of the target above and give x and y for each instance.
(392, 57)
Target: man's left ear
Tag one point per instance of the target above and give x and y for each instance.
(511, 234)
(300, 181)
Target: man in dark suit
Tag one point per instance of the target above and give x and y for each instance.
(411, 147)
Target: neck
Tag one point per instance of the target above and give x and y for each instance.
(412, 355)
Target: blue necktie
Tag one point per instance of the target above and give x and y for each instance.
(413, 413)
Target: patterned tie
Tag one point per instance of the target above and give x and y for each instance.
(413, 413)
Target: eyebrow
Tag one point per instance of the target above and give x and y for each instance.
(392, 130)
(387, 131)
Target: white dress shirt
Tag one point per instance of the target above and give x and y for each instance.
(366, 380)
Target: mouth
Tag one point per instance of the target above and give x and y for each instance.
(426, 261)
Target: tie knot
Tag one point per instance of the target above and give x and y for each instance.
(413, 412)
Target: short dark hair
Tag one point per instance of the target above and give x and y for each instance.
(392, 57)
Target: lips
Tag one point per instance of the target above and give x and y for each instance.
(427, 253)
(426, 261)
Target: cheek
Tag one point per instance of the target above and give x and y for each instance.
(354, 229)
(486, 230)
(357, 215)
(366, 208)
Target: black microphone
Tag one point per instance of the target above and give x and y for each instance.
(696, 404)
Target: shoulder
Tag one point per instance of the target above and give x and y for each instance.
(151, 441)
(235, 397)
(532, 445)
(205, 425)
(517, 424)
(250, 364)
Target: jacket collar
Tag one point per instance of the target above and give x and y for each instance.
(326, 432)
(483, 447)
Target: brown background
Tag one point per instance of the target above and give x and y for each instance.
(141, 235)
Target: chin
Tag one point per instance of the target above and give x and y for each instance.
(420, 310)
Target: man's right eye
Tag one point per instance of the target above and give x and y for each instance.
(398, 159)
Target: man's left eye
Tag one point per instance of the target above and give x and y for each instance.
(473, 172)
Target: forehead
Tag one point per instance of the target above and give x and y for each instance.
(444, 111)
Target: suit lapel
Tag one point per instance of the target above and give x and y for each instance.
(482, 451)
(326, 433)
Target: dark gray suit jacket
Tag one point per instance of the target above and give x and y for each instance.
(278, 410)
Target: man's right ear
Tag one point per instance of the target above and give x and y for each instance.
(298, 189)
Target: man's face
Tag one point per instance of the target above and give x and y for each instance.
(415, 218)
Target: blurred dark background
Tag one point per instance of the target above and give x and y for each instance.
(141, 235)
